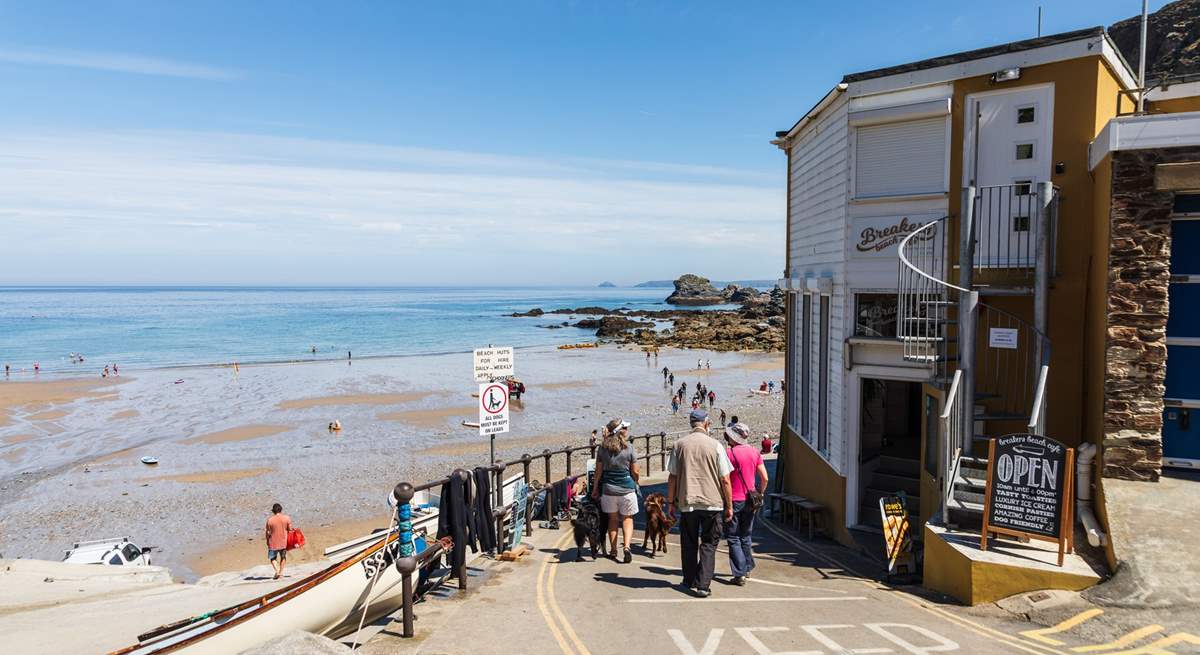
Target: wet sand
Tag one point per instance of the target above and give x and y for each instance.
(35, 396)
(231, 444)
(240, 433)
(353, 399)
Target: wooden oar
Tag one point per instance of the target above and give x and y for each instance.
(215, 614)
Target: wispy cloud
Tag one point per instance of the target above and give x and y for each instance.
(116, 62)
(283, 205)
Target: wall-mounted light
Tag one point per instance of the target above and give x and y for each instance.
(1006, 75)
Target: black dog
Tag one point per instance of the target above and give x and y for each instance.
(588, 525)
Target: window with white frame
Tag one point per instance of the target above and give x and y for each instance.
(793, 364)
(823, 386)
(900, 159)
(806, 366)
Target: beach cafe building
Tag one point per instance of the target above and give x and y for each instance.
(984, 189)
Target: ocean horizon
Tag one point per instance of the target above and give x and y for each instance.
(149, 326)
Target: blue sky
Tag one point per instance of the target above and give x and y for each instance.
(406, 143)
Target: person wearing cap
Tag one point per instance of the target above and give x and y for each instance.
(749, 475)
(698, 489)
(617, 476)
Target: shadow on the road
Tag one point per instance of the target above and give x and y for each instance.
(632, 583)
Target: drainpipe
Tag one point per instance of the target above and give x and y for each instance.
(1083, 495)
(1141, 103)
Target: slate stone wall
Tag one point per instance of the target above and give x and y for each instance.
(1136, 346)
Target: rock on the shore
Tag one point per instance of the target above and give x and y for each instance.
(299, 643)
(695, 290)
(612, 326)
(536, 311)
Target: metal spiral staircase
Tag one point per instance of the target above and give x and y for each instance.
(1005, 250)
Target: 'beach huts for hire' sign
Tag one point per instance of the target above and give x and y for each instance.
(492, 362)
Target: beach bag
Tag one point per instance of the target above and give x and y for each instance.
(295, 539)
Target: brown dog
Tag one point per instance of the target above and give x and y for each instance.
(658, 524)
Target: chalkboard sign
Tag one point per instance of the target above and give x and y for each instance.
(1029, 489)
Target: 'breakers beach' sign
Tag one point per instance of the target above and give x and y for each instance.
(1029, 486)
(879, 236)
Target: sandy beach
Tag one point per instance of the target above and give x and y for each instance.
(230, 444)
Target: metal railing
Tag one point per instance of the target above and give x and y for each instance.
(404, 493)
(1006, 226)
(1010, 371)
(926, 301)
(951, 421)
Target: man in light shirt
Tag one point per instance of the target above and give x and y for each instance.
(698, 488)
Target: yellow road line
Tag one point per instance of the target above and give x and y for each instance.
(543, 608)
(566, 625)
(982, 630)
(1160, 647)
(1122, 642)
(1040, 633)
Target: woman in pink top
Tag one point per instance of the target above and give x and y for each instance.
(278, 527)
(749, 474)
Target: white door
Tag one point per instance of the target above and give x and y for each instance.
(1007, 152)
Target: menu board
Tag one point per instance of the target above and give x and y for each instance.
(1028, 477)
(896, 536)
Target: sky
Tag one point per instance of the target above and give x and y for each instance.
(403, 143)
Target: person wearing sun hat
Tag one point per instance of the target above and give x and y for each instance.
(698, 487)
(748, 476)
(616, 484)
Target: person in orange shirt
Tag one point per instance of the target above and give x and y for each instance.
(278, 527)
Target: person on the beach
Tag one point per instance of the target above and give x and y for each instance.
(767, 445)
(748, 476)
(708, 364)
(683, 387)
(617, 470)
(674, 405)
(665, 372)
(712, 398)
(733, 420)
(671, 377)
(105, 371)
(349, 355)
(592, 441)
(276, 532)
(771, 387)
(647, 356)
(36, 367)
(723, 417)
(116, 371)
(698, 488)
(763, 386)
(7, 368)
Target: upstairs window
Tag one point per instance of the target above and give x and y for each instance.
(900, 159)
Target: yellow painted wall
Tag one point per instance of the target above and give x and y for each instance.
(1175, 105)
(806, 474)
(1085, 97)
(931, 500)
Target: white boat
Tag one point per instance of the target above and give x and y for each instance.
(150, 461)
(109, 552)
(328, 602)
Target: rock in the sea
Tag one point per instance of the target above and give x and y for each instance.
(612, 326)
(695, 290)
(299, 643)
(536, 311)
(607, 285)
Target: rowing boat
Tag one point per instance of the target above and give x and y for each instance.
(329, 602)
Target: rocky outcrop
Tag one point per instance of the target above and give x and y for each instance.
(613, 326)
(695, 290)
(536, 311)
(1172, 40)
(607, 285)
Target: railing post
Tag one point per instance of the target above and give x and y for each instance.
(570, 452)
(968, 316)
(549, 487)
(1041, 290)
(647, 451)
(407, 563)
(499, 505)
(662, 447)
(528, 518)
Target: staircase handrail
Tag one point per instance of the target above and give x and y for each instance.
(953, 441)
(903, 252)
(1039, 398)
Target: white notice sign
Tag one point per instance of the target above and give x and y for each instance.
(493, 408)
(1002, 338)
(491, 363)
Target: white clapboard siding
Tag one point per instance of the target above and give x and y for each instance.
(820, 183)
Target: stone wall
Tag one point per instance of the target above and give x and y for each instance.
(1136, 344)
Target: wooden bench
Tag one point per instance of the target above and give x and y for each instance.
(794, 511)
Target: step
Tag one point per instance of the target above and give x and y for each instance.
(985, 395)
(967, 496)
(905, 483)
(1000, 416)
(956, 505)
(971, 479)
(888, 464)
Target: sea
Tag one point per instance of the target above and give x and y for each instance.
(154, 327)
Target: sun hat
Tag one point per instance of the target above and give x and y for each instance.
(738, 433)
(698, 415)
(616, 424)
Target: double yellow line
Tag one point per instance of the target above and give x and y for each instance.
(547, 604)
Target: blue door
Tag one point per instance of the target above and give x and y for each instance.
(1181, 418)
